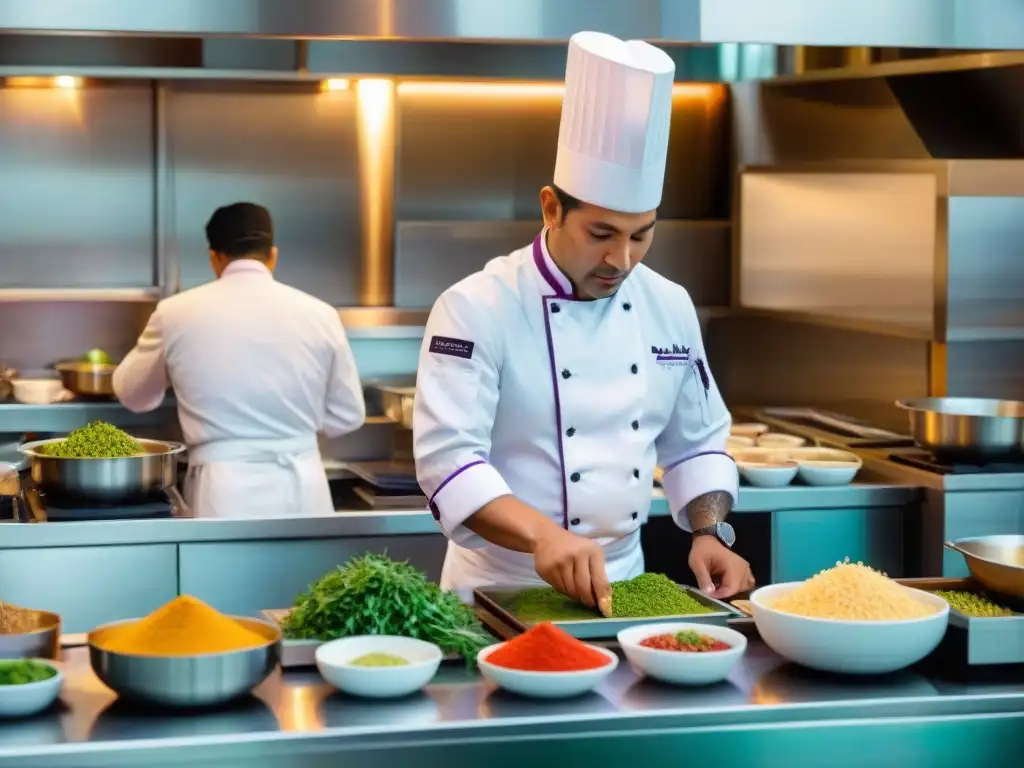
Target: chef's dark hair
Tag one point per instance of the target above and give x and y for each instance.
(566, 201)
(241, 230)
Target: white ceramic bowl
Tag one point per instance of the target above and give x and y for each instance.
(545, 685)
(37, 391)
(333, 660)
(826, 466)
(30, 698)
(682, 668)
(779, 440)
(767, 474)
(751, 430)
(849, 647)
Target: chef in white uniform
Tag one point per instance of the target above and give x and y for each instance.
(258, 369)
(552, 383)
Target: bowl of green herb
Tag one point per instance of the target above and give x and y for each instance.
(374, 595)
(103, 464)
(28, 686)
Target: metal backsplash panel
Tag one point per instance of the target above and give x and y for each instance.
(76, 181)
(432, 255)
(483, 153)
(292, 152)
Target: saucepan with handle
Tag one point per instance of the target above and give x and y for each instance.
(967, 429)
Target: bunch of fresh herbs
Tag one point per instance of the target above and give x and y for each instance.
(373, 595)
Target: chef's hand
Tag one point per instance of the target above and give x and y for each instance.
(573, 565)
(720, 572)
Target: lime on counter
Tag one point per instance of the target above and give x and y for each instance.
(98, 357)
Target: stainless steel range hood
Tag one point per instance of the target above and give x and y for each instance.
(984, 24)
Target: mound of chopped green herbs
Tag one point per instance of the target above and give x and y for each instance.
(649, 595)
(373, 595)
(97, 440)
(25, 671)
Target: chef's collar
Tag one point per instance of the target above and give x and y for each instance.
(552, 275)
(247, 267)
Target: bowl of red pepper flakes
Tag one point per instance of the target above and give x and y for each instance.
(683, 654)
(546, 662)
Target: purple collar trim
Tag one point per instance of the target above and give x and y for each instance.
(546, 266)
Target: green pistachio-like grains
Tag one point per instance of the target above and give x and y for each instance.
(973, 605)
(648, 595)
(652, 595)
(97, 440)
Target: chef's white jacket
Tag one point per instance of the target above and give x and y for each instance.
(568, 405)
(258, 369)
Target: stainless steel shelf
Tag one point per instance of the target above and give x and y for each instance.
(936, 65)
(18, 418)
(921, 330)
(80, 294)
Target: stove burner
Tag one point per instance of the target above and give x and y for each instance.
(931, 463)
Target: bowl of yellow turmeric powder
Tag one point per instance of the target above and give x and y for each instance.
(184, 654)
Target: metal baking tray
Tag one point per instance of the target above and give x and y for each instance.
(302, 653)
(494, 600)
(979, 641)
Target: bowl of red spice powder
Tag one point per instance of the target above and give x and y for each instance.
(681, 653)
(546, 662)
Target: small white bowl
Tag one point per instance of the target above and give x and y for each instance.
(848, 647)
(683, 668)
(767, 474)
(31, 698)
(751, 430)
(545, 685)
(38, 391)
(824, 473)
(780, 440)
(334, 662)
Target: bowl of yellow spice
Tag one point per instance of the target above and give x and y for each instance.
(184, 654)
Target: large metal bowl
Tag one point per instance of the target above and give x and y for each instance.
(43, 642)
(996, 561)
(187, 681)
(104, 481)
(967, 427)
(88, 379)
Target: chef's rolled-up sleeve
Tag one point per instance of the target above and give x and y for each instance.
(453, 412)
(140, 381)
(691, 449)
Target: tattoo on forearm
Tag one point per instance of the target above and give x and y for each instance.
(708, 509)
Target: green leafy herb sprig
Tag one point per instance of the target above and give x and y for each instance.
(373, 595)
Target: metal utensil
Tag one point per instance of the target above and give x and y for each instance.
(975, 429)
(187, 681)
(43, 642)
(996, 561)
(105, 481)
(87, 379)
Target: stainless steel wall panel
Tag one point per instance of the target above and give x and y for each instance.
(985, 280)
(76, 181)
(292, 152)
(985, 369)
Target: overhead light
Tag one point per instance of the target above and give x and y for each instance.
(67, 81)
(334, 84)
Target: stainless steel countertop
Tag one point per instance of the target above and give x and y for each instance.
(353, 523)
(296, 713)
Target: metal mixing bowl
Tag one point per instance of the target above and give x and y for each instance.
(996, 561)
(88, 379)
(187, 681)
(41, 643)
(104, 481)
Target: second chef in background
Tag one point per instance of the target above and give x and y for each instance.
(258, 369)
(552, 382)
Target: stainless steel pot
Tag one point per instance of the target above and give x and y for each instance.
(967, 427)
(88, 379)
(996, 561)
(105, 481)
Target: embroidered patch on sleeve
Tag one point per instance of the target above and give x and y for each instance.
(443, 345)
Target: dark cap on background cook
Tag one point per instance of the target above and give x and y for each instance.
(239, 229)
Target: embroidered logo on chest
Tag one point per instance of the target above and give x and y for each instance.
(443, 345)
(675, 356)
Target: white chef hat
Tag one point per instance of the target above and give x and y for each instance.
(613, 138)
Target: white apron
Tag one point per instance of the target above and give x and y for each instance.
(245, 479)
